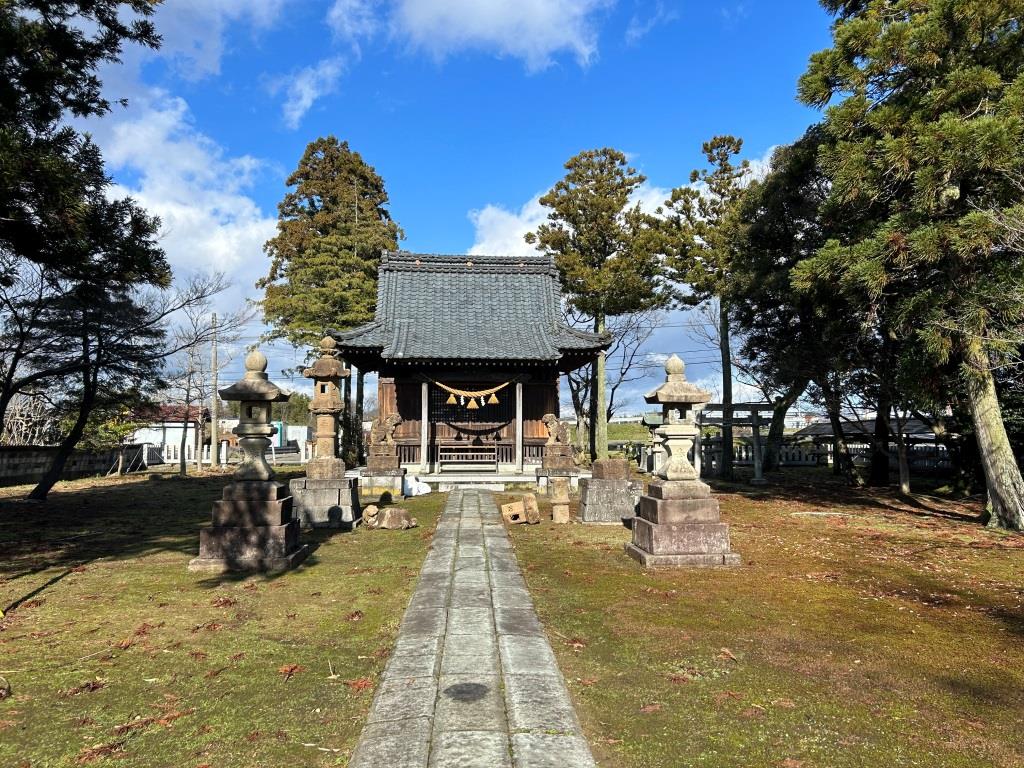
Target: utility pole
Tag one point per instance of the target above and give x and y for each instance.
(215, 404)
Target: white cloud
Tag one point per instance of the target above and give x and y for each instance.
(353, 20)
(532, 30)
(193, 30)
(198, 191)
(639, 27)
(304, 87)
(501, 231)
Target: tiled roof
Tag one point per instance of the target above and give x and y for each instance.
(468, 308)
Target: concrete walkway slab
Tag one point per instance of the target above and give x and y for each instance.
(472, 681)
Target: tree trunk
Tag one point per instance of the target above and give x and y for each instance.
(777, 429)
(67, 445)
(1002, 475)
(182, 462)
(726, 469)
(878, 476)
(842, 463)
(599, 412)
(903, 459)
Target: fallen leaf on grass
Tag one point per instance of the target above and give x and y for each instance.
(99, 751)
(577, 643)
(354, 616)
(679, 679)
(648, 708)
(86, 687)
(753, 711)
(133, 725)
(198, 655)
(725, 653)
(359, 685)
(288, 671)
(214, 672)
(223, 602)
(613, 742)
(789, 762)
(253, 736)
(588, 681)
(238, 656)
(127, 643)
(785, 703)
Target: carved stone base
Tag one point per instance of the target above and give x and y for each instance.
(325, 468)
(263, 549)
(607, 501)
(678, 524)
(326, 503)
(647, 560)
(253, 530)
(380, 481)
(381, 464)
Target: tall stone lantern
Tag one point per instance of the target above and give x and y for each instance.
(678, 522)
(253, 528)
(325, 498)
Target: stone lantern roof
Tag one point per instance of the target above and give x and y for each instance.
(677, 390)
(327, 366)
(255, 385)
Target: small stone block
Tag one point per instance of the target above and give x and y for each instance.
(470, 703)
(560, 513)
(610, 469)
(514, 512)
(379, 747)
(702, 510)
(539, 703)
(678, 489)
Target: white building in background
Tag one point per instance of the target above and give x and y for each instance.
(164, 431)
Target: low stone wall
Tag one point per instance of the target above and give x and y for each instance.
(21, 464)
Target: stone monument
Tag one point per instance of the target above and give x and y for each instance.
(324, 498)
(253, 528)
(608, 496)
(383, 467)
(558, 460)
(678, 522)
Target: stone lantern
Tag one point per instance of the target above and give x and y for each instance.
(678, 522)
(253, 528)
(325, 498)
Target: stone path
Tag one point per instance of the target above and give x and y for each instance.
(472, 681)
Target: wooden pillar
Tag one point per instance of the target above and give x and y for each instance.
(755, 422)
(424, 428)
(519, 427)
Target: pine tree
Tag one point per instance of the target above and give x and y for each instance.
(332, 227)
(927, 135)
(606, 251)
(705, 232)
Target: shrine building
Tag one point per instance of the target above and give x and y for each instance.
(468, 350)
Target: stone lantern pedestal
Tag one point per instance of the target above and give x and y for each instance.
(253, 528)
(678, 522)
(325, 498)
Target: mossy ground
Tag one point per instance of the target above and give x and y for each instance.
(881, 633)
(117, 655)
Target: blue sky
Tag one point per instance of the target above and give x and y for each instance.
(467, 108)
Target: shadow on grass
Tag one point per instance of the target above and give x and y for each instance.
(86, 521)
(820, 486)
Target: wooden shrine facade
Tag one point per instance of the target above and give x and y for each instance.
(454, 330)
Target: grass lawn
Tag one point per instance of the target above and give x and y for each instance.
(880, 634)
(117, 655)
